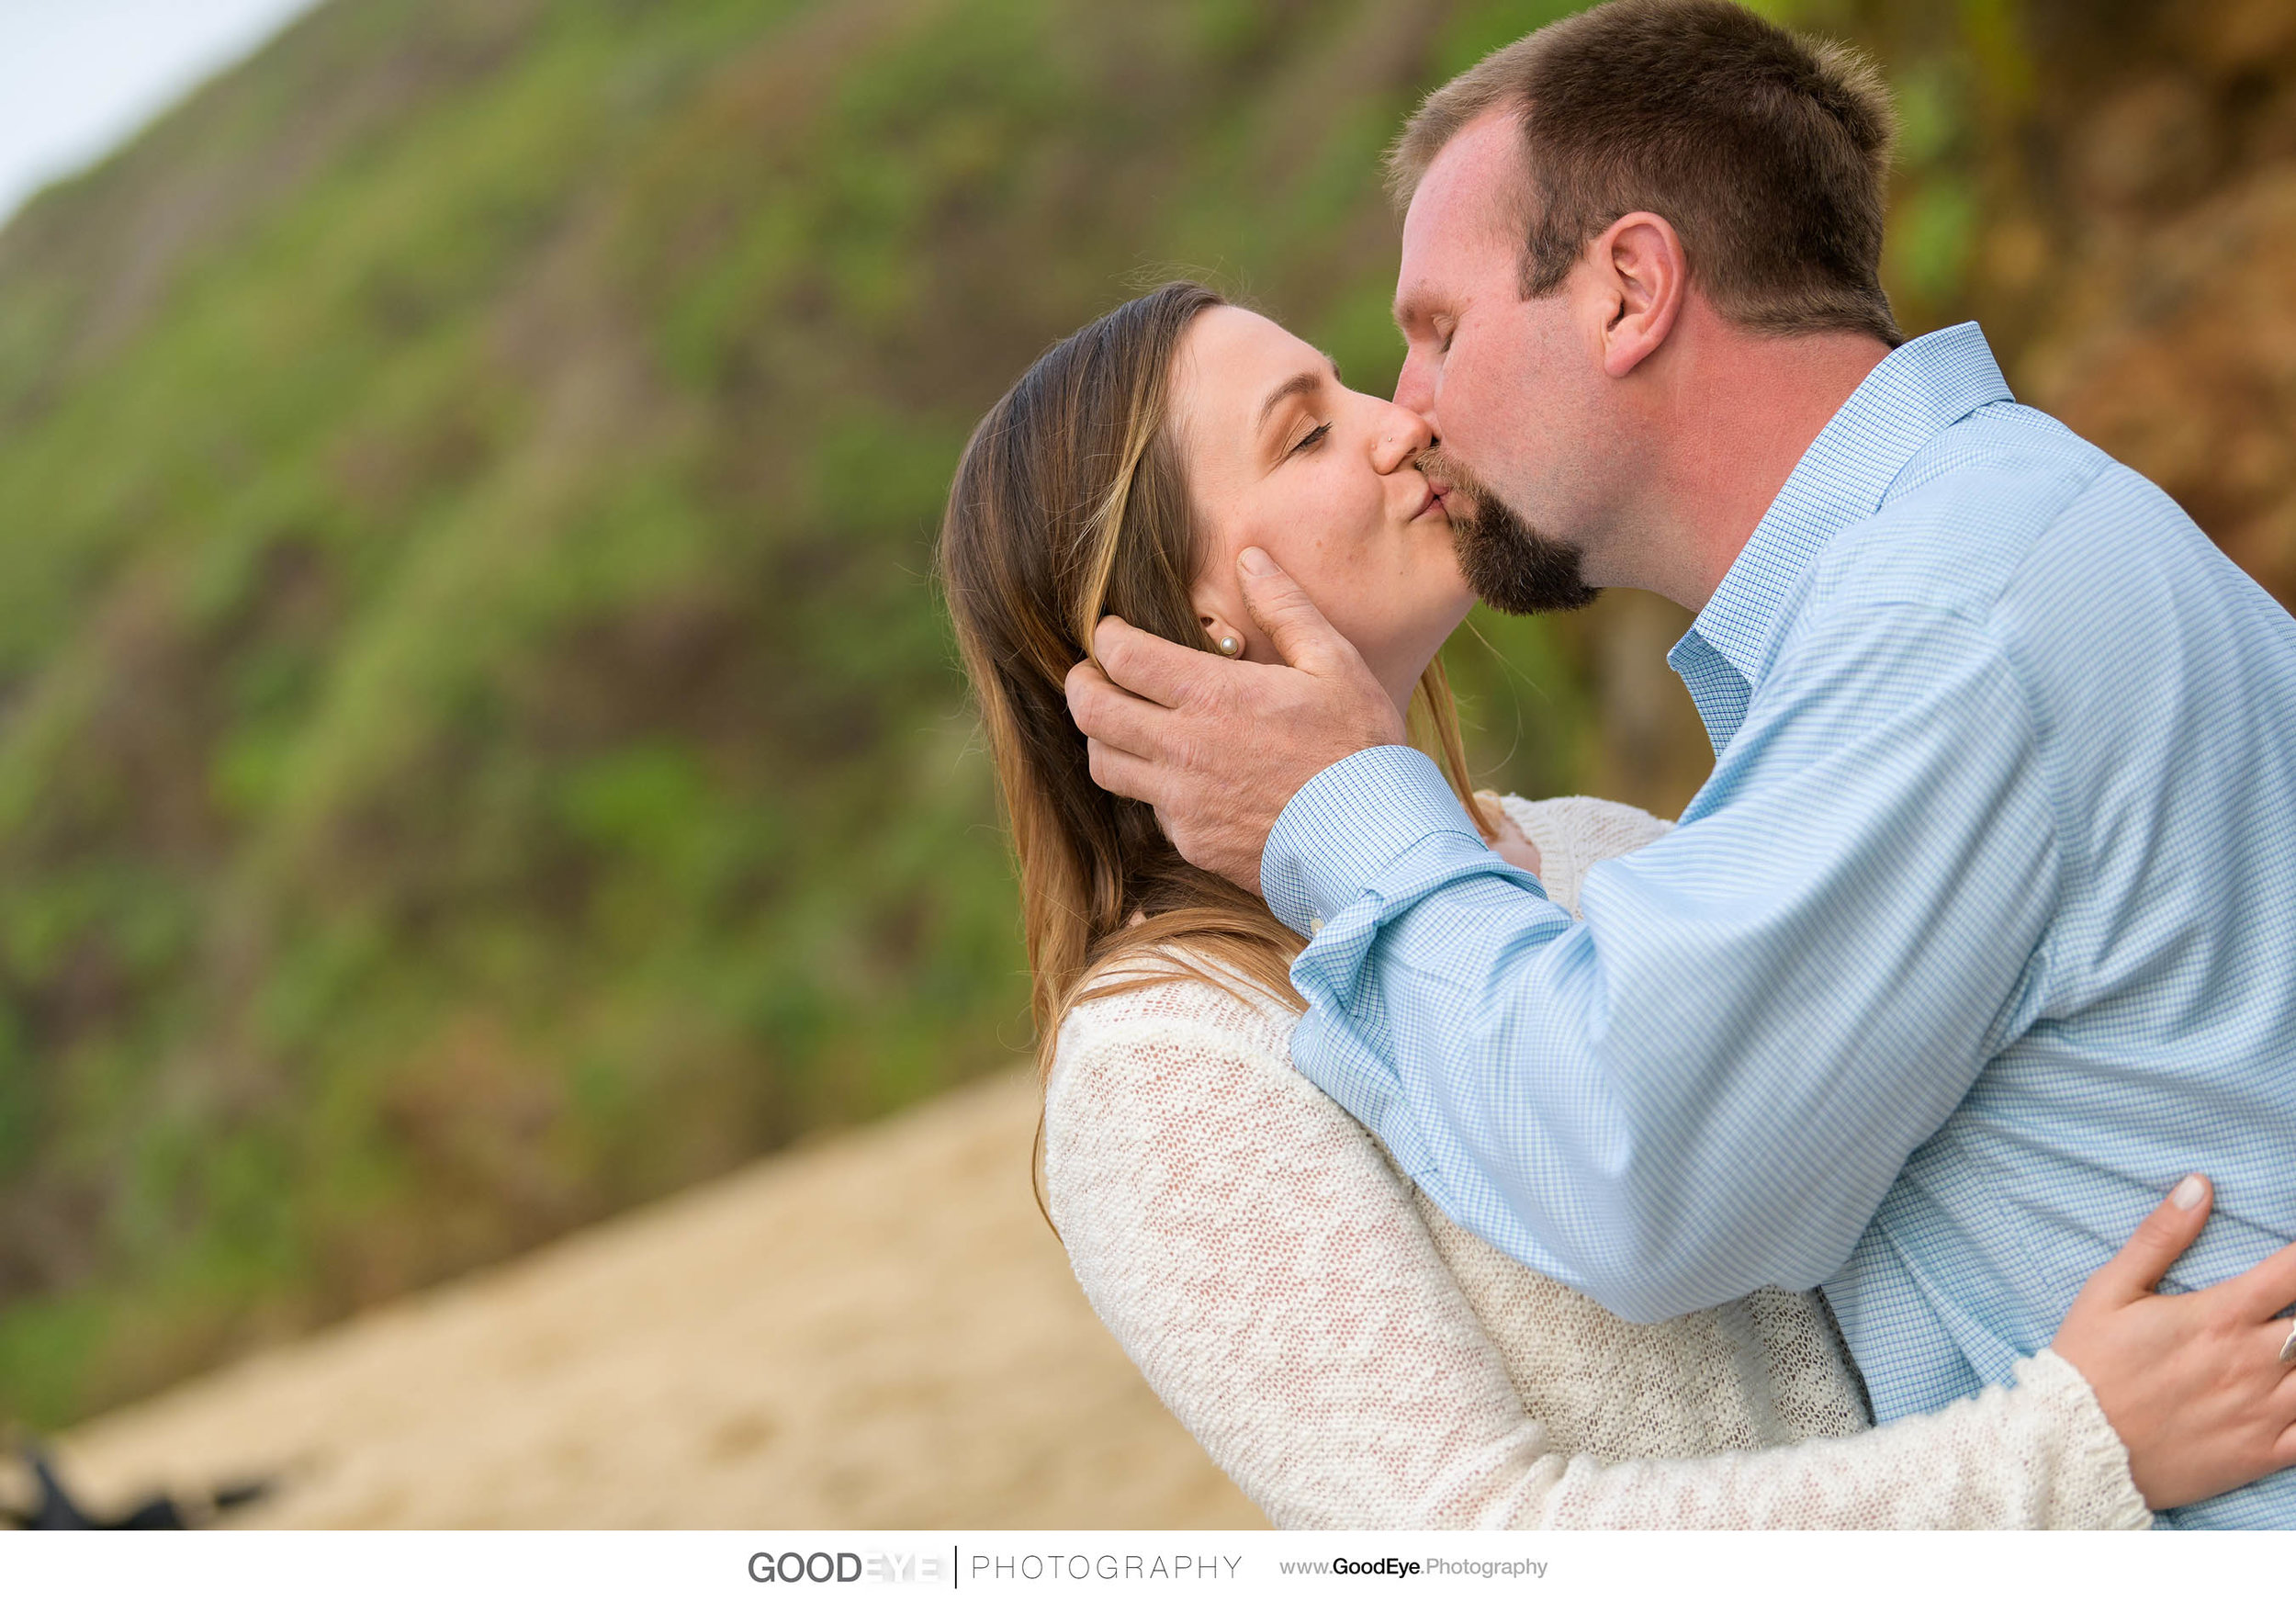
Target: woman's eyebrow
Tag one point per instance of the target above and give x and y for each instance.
(1297, 384)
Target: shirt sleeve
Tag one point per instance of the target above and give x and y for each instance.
(1708, 1083)
(1267, 1269)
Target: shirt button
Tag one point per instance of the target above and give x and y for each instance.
(1315, 927)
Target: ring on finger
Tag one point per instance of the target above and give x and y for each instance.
(2288, 1347)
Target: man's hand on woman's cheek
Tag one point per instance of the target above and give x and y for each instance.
(1218, 747)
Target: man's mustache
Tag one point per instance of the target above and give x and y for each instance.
(1462, 495)
(1502, 556)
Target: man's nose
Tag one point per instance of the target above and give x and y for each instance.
(1415, 385)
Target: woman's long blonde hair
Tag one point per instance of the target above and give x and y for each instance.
(1071, 503)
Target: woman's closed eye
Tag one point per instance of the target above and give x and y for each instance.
(1313, 438)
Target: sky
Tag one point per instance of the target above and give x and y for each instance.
(78, 78)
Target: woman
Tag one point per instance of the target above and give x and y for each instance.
(1344, 1351)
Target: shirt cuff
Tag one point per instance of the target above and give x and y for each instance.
(1346, 825)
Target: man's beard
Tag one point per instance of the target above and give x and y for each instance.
(1509, 564)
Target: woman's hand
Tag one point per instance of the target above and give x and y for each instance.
(2194, 1384)
(1508, 841)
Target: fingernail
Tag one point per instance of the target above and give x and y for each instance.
(1255, 561)
(2187, 1194)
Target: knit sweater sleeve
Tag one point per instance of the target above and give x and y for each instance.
(2035, 1455)
(1254, 1253)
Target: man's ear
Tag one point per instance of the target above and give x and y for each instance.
(1642, 277)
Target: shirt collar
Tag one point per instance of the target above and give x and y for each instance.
(1918, 390)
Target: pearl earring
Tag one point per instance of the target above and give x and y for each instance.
(1228, 646)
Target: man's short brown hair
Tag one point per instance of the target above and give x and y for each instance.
(1769, 155)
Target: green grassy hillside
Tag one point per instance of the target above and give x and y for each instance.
(477, 746)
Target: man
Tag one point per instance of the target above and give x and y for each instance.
(1984, 929)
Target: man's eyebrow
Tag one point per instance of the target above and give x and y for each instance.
(1410, 306)
(1297, 384)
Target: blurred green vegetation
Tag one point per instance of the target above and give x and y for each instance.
(478, 745)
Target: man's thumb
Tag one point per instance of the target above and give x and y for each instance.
(1290, 620)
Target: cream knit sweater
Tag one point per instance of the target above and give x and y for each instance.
(1353, 1358)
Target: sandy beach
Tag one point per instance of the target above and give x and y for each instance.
(874, 1330)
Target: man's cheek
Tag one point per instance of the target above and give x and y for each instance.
(1468, 409)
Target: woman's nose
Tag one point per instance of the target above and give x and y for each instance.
(1403, 434)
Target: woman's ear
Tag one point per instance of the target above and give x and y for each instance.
(1226, 638)
(1219, 602)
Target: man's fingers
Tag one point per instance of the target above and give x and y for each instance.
(1282, 608)
(2159, 1241)
(1111, 716)
(1084, 682)
(1122, 773)
(1148, 666)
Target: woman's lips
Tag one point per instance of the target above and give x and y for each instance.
(1433, 502)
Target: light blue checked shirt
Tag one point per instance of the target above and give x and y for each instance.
(1982, 933)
